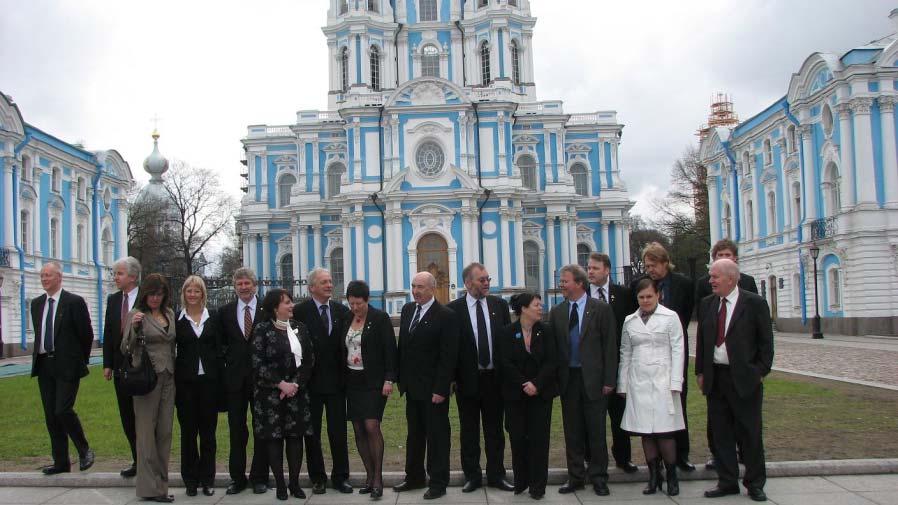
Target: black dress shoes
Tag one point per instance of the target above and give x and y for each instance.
(208, 490)
(471, 486)
(685, 465)
(407, 486)
(366, 490)
(53, 470)
(718, 491)
(757, 494)
(281, 493)
(166, 498)
(319, 488)
(711, 464)
(130, 471)
(343, 487)
(537, 495)
(377, 493)
(234, 488)
(191, 490)
(601, 489)
(260, 488)
(434, 493)
(297, 492)
(502, 485)
(87, 460)
(570, 487)
(628, 467)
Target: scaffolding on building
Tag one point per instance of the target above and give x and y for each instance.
(722, 114)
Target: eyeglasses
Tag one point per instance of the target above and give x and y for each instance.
(484, 279)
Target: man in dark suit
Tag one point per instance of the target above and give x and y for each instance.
(676, 292)
(602, 289)
(126, 274)
(428, 352)
(734, 352)
(481, 319)
(235, 322)
(62, 342)
(324, 317)
(723, 249)
(587, 351)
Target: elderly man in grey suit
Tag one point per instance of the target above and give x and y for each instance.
(587, 373)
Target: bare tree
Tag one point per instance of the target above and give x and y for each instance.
(147, 237)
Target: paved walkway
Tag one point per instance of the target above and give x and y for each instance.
(835, 490)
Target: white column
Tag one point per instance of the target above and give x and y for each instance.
(264, 182)
(36, 247)
(519, 246)
(810, 181)
(889, 154)
(500, 125)
(565, 240)
(316, 245)
(602, 167)
(297, 258)
(316, 170)
(550, 245)
(266, 256)
(863, 142)
(253, 254)
(360, 246)
(847, 157)
(626, 243)
(357, 143)
(619, 247)
(466, 236)
(347, 247)
(572, 237)
(394, 128)
(303, 254)
(505, 244)
(400, 257)
(392, 253)
(123, 229)
(713, 209)
(604, 232)
(8, 227)
(246, 251)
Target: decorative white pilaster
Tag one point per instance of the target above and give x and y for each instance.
(266, 257)
(713, 209)
(394, 128)
(316, 168)
(889, 154)
(358, 220)
(247, 259)
(519, 246)
(625, 229)
(316, 245)
(505, 244)
(500, 126)
(253, 254)
(346, 225)
(565, 240)
(604, 231)
(297, 258)
(615, 168)
(863, 142)
(810, 180)
(264, 182)
(466, 236)
(572, 237)
(550, 245)
(394, 270)
(8, 226)
(619, 246)
(847, 157)
(303, 254)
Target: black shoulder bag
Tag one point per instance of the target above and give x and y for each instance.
(137, 380)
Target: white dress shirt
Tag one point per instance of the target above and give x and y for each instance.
(55, 297)
(472, 312)
(720, 353)
(423, 311)
(252, 312)
(132, 297)
(197, 330)
(330, 317)
(605, 288)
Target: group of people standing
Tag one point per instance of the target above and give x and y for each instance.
(605, 350)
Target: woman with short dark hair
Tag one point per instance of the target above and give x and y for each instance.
(282, 363)
(528, 364)
(369, 352)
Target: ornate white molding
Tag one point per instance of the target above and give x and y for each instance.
(861, 105)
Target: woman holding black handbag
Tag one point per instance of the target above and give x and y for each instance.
(151, 324)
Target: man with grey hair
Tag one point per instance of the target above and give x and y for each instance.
(587, 349)
(62, 340)
(325, 318)
(428, 350)
(733, 354)
(126, 274)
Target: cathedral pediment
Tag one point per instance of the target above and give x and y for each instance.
(428, 91)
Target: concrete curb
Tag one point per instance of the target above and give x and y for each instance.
(556, 475)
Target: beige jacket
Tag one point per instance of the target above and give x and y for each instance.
(159, 341)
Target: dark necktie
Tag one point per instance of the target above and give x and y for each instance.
(48, 327)
(247, 323)
(325, 321)
(124, 313)
(574, 335)
(483, 343)
(721, 322)
(415, 319)
(602, 294)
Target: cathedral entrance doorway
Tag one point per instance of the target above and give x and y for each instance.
(433, 257)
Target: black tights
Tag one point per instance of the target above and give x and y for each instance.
(294, 460)
(370, 442)
(666, 448)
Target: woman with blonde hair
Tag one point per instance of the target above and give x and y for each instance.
(196, 387)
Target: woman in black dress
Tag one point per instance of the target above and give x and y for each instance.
(282, 362)
(369, 352)
(528, 364)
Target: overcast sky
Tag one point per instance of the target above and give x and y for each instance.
(97, 71)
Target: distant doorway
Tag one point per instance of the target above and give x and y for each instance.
(433, 257)
(772, 298)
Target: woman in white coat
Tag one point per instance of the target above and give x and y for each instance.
(651, 378)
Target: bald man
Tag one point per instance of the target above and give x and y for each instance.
(733, 354)
(428, 349)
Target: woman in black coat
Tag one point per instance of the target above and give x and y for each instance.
(196, 387)
(528, 364)
(282, 363)
(369, 355)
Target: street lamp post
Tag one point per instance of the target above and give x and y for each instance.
(1, 315)
(815, 325)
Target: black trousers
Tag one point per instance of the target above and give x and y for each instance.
(126, 413)
(485, 407)
(335, 404)
(429, 434)
(736, 418)
(238, 402)
(682, 436)
(620, 439)
(584, 426)
(529, 423)
(58, 399)
(197, 404)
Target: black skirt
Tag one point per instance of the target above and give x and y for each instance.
(363, 402)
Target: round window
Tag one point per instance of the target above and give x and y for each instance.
(107, 199)
(430, 158)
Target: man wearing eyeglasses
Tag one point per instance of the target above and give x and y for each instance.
(482, 317)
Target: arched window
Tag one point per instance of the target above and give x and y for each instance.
(55, 180)
(727, 221)
(527, 166)
(768, 152)
(26, 231)
(374, 61)
(336, 268)
(746, 164)
(771, 213)
(515, 62)
(833, 280)
(80, 190)
(485, 63)
(796, 203)
(430, 61)
(826, 118)
(372, 5)
(428, 10)
(344, 6)
(54, 238)
(581, 179)
(791, 145)
(335, 178)
(108, 247)
(832, 199)
(26, 168)
(285, 186)
(583, 255)
(749, 220)
(531, 266)
(344, 69)
(286, 268)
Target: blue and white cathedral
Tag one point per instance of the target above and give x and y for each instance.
(435, 152)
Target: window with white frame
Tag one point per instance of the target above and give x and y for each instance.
(428, 10)
(826, 120)
(771, 213)
(485, 63)
(27, 168)
(55, 179)
(768, 152)
(285, 187)
(796, 203)
(80, 253)
(531, 266)
(108, 247)
(791, 144)
(515, 63)
(337, 269)
(727, 221)
(749, 220)
(583, 255)
(286, 268)
(796, 291)
(527, 166)
(82, 194)
(335, 178)
(344, 69)
(746, 164)
(430, 61)
(54, 237)
(581, 179)
(374, 62)
(832, 198)
(25, 219)
(833, 278)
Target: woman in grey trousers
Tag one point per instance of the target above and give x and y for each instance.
(152, 323)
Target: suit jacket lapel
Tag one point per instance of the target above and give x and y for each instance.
(425, 319)
(60, 307)
(588, 314)
(466, 317)
(737, 311)
(37, 310)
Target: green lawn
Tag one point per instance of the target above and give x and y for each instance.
(804, 419)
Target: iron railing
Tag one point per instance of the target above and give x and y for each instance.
(823, 228)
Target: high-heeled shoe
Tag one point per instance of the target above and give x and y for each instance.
(673, 482)
(297, 492)
(366, 490)
(377, 493)
(282, 493)
(655, 479)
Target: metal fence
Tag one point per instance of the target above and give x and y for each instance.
(220, 291)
